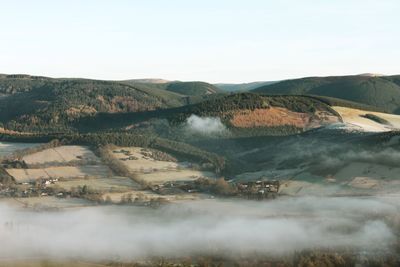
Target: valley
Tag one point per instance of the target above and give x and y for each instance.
(196, 161)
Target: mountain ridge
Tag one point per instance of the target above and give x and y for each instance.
(378, 91)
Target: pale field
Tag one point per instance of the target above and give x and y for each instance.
(61, 154)
(142, 164)
(365, 183)
(28, 175)
(354, 178)
(157, 171)
(149, 195)
(7, 148)
(369, 170)
(47, 202)
(353, 118)
(37, 262)
(302, 188)
(160, 177)
(112, 184)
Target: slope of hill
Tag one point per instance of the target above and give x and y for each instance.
(379, 91)
(192, 88)
(38, 103)
(149, 80)
(244, 114)
(241, 87)
(362, 120)
(34, 103)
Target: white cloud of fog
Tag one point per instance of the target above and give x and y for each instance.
(205, 125)
(223, 227)
(387, 156)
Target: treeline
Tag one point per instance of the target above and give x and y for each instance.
(118, 167)
(375, 118)
(235, 102)
(5, 178)
(266, 131)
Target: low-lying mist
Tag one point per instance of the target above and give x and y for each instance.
(205, 227)
(205, 125)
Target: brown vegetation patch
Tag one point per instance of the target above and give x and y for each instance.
(6, 131)
(79, 111)
(272, 116)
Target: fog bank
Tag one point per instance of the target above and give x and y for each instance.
(203, 227)
(205, 125)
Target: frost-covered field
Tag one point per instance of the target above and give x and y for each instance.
(7, 148)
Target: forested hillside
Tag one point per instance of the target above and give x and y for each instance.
(244, 113)
(37, 103)
(382, 92)
(192, 88)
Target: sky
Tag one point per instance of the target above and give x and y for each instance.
(208, 40)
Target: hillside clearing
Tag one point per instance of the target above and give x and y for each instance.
(277, 116)
(356, 118)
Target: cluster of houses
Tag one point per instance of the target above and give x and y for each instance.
(260, 189)
(174, 187)
(128, 154)
(31, 189)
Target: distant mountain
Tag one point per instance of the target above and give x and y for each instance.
(382, 92)
(371, 74)
(149, 80)
(36, 103)
(192, 88)
(187, 92)
(241, 87)
(178, 87)
(40, 102)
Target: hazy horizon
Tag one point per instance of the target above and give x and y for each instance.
(216, 42)
(178, 80)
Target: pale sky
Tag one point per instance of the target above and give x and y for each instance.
(208, 40)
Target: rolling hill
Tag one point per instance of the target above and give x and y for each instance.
(241, 87)
(382, 92)
(187, 92)
(192, 88)
(40, 103)
(244, 114)
(177, 87)
(36, 103)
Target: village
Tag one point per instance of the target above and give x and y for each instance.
(119, 176)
